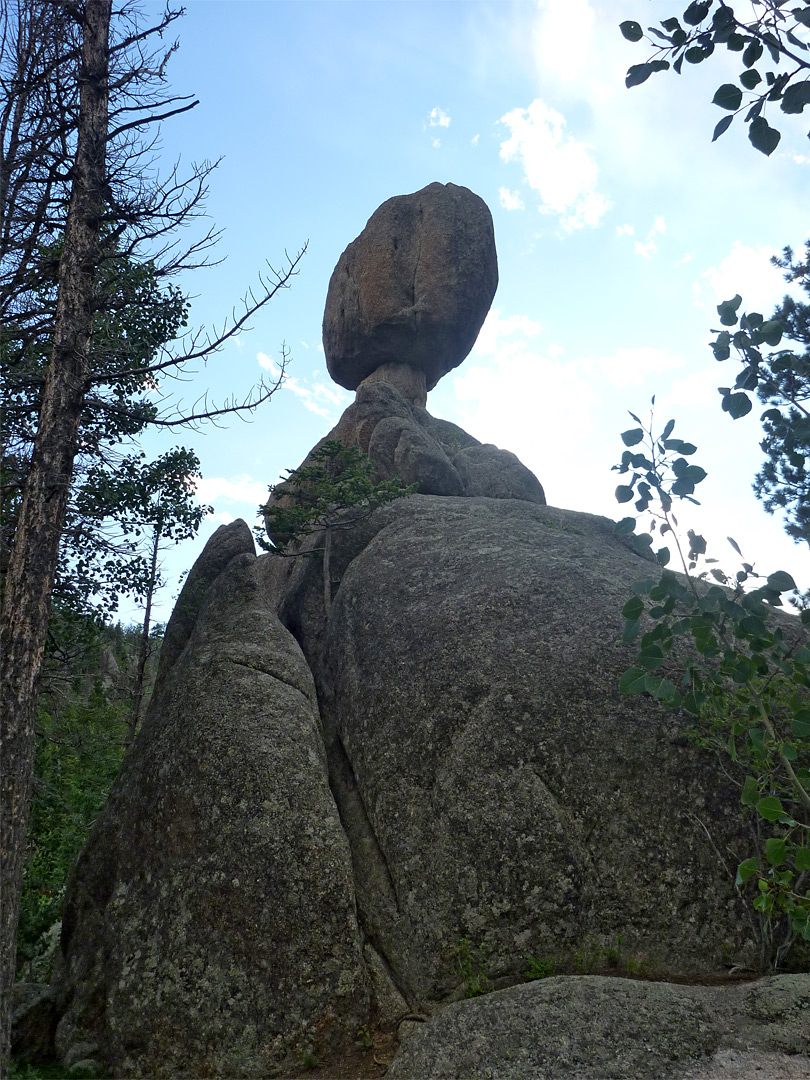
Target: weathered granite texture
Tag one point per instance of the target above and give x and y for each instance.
(210, 925)
(593, 1028)
(413, 288)
(506, 792)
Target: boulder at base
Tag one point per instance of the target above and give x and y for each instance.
(592, 1028)
(210, 924)
(513, 798)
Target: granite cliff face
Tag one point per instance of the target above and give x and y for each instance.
(335, 818)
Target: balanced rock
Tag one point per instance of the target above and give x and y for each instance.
(413, 288)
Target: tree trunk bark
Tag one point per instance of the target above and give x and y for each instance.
(29, 582)
(143, 652)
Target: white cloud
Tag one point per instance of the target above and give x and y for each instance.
(684, 259)
(438, 118)
(241, 489)
(646, 250)
(223, 518)
(510, 200)
(745, 270)
(474, 140)
(648, 247)
(559, 414)
(559, 168)
(436, 143)
(562, 53)
(631, 367)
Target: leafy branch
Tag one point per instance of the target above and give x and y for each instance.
(744, 682)
(774, 33)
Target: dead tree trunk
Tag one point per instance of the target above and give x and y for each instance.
(143, 651)
(32, 565)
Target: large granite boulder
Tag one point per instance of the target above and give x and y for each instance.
(592, 1028)
(413, 288)
(512, 798)
(210, 925)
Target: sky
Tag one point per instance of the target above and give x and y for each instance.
(619, 226)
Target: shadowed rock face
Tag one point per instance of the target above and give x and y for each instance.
(468, 682)
(210, 925)
(413, 288)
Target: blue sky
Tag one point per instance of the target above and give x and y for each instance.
(619, 227)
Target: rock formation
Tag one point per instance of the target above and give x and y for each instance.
(333, 818)
(413, 288)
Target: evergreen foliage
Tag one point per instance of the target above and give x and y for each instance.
(81, 728)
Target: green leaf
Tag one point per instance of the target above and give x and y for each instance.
(796, 97)
(746, 869)
(697, 12)
(727, 310)
(736, 405)
(728, 96)
(623, 493)
(721, 127)
(775, 850)
(752, 53)
(633, 681)
(800, 724)
(762, 136)
(750, 791)
(770, 808)
(637, 74)
(625, 527)
(662, 556)
(801, 858)
(631, 630)
(633, 436)
(781, 581)
(631, 30)
(645, 587)
(634, 608)
(750, 78)
(651, 657)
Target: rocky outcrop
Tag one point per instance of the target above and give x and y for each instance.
(404, 442)
(373, 783)
(413, 288)
(591, 1028)
(467, 679)
(210, 924)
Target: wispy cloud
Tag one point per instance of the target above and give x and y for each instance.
(240, 489)
(647, 248)
(438, 118)
(745, 270)
(510, 200)
(559, 168)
